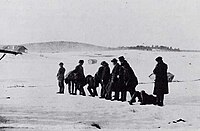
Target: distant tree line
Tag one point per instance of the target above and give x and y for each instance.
(149, 48)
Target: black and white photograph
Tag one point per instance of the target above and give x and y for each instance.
(110, 65)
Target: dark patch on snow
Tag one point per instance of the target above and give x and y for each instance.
(177, 121)
(8, 97)
(3, 120)
(133, 111)
(197, 80)
(96, 125)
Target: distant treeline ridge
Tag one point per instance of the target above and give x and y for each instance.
(149, 48)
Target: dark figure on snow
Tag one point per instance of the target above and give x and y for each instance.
(130, 81)
(105, 77)
(143, 98)
(161, 81)
(80, 78)
(91, 85)
(60, 77)
(70, 81)
(98, 76)
(114, 81)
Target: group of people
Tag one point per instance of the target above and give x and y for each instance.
(116, 83)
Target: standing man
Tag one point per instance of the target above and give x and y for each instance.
(161, 81)
(130, 80)
(60, 77)
(113, 84)
(98, 76)
(105, 78)
(80, 77)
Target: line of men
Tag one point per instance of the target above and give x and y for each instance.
(121, 80)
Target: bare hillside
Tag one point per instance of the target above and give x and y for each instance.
(61, 46)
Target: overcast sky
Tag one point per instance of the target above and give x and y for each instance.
(102, 22)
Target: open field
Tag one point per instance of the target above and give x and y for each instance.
(28, 99)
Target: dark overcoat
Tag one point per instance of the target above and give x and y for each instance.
(161, 81)
(79, 75)
(115, 78)
(130, 78)
(60, 74)
(106, 73)
(98, 76)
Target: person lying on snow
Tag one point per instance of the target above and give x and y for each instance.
(143, 98)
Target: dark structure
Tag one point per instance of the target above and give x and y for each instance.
(16, 48)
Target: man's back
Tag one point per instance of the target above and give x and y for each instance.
(79, 71)
(161, 71)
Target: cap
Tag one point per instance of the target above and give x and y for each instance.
(121, 58)
(61, 63)
(81, 61)
(158, 58)
(114, 60)
(103, 63)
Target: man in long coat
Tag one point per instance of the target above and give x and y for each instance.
(130, 80)
(60, 77)
(105, 77)
(113, 84)
(161, 81)
(80, 77)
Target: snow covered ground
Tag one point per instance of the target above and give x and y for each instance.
(28, 99)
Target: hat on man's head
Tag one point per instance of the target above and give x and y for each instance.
(158, 59)
(103, 63)
(121, 58)
(81, 61)
(61, 63)
(114, 60)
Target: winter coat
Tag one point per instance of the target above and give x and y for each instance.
(115, 73)
(130, 79)
(60, 74)
(79, 74)
(99, 73)
(70, 77)
(161, 80)
(117, 77)
(90, 81)
(106, 73)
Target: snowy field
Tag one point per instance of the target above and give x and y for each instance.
(28, 99)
